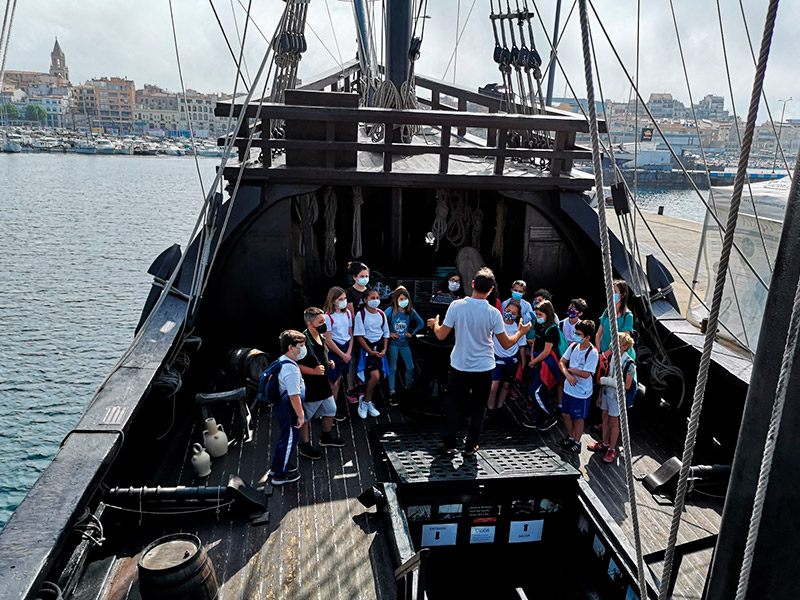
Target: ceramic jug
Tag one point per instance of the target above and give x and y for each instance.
(216, 442)
(201, 461)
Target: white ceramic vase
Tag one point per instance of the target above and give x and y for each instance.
(201, 461)
(214, 438)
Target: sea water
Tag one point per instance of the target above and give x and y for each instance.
(77, 235)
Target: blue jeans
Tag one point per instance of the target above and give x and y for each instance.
(405, 353)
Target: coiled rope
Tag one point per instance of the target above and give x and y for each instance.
(609, 289)
(789, 355)
(719, 287)
(312, 209)
(500, 224)
(439, 228)
(457, 221)
(358, 200)
(477, 227)
(330, 232)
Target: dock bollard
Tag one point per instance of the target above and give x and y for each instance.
(661, 210)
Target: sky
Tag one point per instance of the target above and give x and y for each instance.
(134, 40)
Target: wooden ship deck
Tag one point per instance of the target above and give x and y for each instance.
(321, 542)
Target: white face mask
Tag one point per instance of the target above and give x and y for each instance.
(342, 305)
(453, 286)
(302, 353)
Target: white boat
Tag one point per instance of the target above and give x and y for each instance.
(86, 147)
(105, 146)
(208, 149)
(173, 150)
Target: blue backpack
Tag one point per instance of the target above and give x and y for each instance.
(268, 388)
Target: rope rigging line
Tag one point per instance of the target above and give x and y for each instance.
(6, 39)
(454, 54)
(311, 208)
(764, 95)
(330, 231)
(227, 43)
(705, 161)
(765, 470)
(691, 182)
(638, 211)
(739, 135)
(335, 37)
(608, 276)
(356, 248)
(210, 196)
(238, 37)
(719, 287)
(185, 100)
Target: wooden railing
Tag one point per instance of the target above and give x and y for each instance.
(554, 134)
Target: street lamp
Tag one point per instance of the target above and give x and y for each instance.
(780, 127)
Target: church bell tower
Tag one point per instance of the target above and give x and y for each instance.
(58, 63)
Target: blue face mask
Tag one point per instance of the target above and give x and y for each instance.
(577, 338)
(363, 281)
(616, 298)
(375, 303)
(516, 295)
(509, 317)
(342, 305)
(402, 303)
(572, 313)
(540, 320)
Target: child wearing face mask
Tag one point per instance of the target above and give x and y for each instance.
(540, 296)
(577, 307)
(517, 292)
(289, 411)
(355, 303)
(355, 293)
(578, 366)
(404, 322)
(339, 320)
(506, 361)
(608, 400)
(372, 332)
(624, 318)
(546, 342)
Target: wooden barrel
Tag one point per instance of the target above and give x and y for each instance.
(248, 363)
(176, 567)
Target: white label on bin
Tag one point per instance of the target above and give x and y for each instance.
(482, 534)
(525, 531)
(439, 535)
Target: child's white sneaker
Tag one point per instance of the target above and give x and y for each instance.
(373, 412)
(362, 408)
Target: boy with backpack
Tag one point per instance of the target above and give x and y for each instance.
(578, 366)
(608, 399)
(282, 386)
(577, 306)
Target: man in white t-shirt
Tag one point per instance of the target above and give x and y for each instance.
(472, 360)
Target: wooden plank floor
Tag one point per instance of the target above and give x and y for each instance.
(651, 446)
(322, 543)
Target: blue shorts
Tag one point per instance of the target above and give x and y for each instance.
(339, 366)
(505, 369)
(577, 408)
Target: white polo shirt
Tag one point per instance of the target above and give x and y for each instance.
(474, 322)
